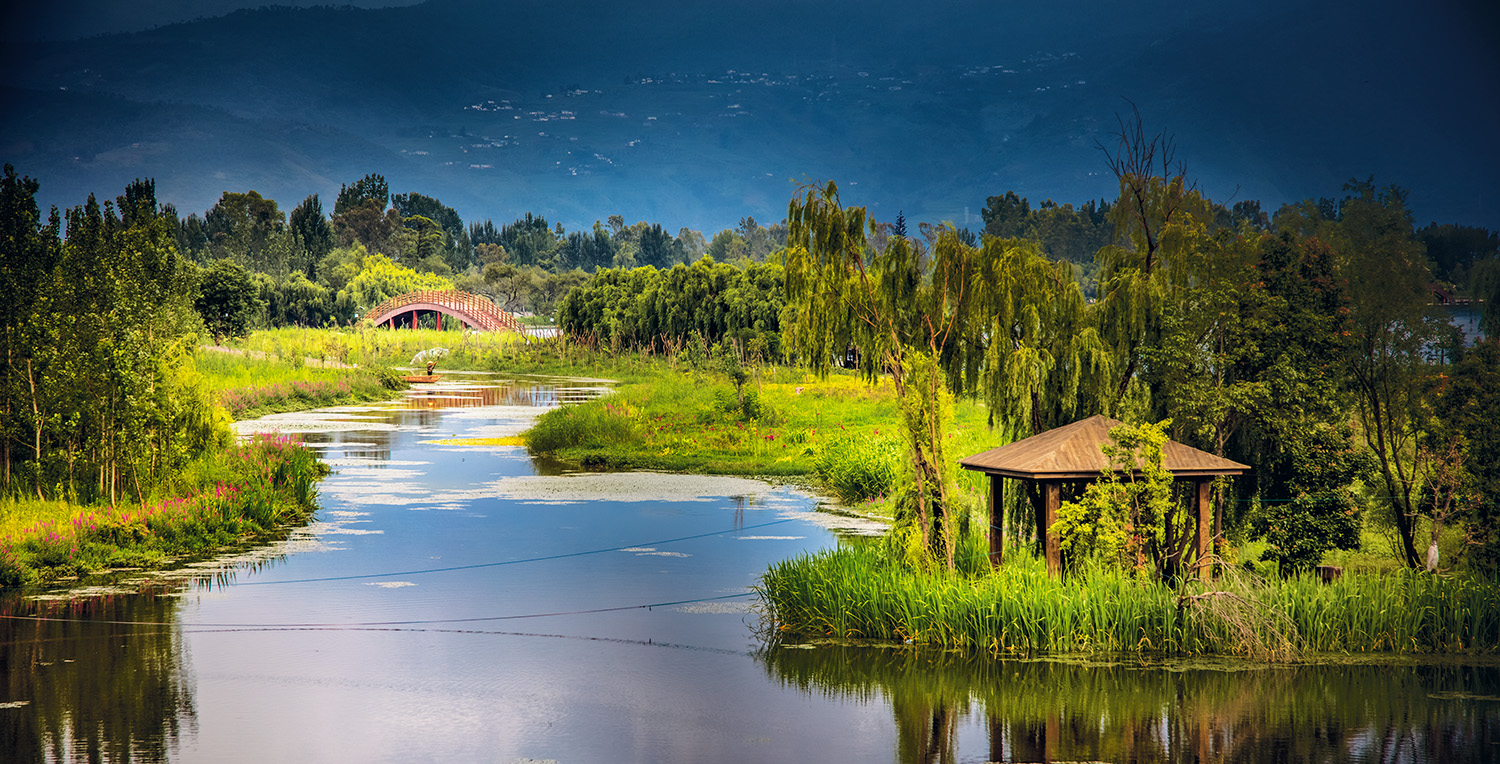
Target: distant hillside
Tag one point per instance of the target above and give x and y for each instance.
(657, 111)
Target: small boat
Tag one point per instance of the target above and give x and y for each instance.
(423, 378)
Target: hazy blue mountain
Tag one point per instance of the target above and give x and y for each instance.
(695, 115)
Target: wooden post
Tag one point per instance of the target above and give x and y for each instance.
(1205, 528)
(414, 319)
(997, 520)
(1053, 491)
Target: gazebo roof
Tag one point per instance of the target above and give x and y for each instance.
(1071, 452)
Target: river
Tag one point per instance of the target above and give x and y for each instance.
(458, 603)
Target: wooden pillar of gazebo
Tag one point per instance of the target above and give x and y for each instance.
(1072, 452)
(1051, 501)
(997, 521)
(1203, 538)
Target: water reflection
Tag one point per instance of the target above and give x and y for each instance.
(89, 690)
(1035, 711)
(495, 393)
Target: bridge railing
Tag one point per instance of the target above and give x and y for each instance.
(484, 312)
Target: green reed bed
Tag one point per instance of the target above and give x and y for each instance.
(247, 386)
(259, 400)
(250, 490)
(856, 592)
(369, 346)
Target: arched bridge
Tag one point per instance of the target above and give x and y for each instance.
(471, 310)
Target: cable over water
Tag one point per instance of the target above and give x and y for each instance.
(511, 562)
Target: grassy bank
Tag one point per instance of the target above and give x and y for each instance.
(248, 386)
(856, 592)
(783, 422)
(248, 491)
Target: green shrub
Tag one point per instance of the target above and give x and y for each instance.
(594, 424)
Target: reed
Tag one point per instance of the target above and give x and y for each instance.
(858, 592)
(598, 423)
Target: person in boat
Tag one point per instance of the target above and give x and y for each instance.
(430, 366)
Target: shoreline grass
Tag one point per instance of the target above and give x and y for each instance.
(249, 491)
(248, 386)
(686, 420)
(857, 592)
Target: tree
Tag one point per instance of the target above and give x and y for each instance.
(370, 188)
(898, 319)
(228, 299)
(300, 302)
(31, 250)
(380, 279)
(657, 248)
(427, 244)
(1454, 250)
(728, 246)
(1007, 216)
(1392, 325)
(1127, 518)
(458, 251)
(1465, 405)
(692, 243)
(370, 224)
(240, 227)
(113, 404)
(313, 233)
(1319, 511)
(1160, 222)
(530, 241)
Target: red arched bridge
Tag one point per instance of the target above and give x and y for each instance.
(470, 310)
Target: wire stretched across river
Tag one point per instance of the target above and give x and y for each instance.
(510, 562)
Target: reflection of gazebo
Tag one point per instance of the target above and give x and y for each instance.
(1071, 453)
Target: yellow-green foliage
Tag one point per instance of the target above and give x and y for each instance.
(380, 279)
(1125, 517)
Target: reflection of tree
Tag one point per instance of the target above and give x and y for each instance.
(96, 692)
(1222, 712)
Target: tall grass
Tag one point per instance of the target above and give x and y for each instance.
(859, 467)
(374, 347)
(249, 490)
(598, 423)
(857, 592)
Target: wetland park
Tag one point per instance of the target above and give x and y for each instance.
(707, 504)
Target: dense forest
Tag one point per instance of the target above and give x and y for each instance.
(1309, 343)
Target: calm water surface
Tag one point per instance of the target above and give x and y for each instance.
(471, 604)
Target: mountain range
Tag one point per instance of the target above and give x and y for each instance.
(697, 115)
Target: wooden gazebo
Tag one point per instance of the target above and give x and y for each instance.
(1072, 452)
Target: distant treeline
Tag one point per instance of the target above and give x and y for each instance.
(705, 302)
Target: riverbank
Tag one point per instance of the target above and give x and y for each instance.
(840, 431)
(250, 384)
(857, 592)
(249, 491)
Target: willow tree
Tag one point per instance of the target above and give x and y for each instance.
(999, 320)
(1043, 361)
(1161, 233)
(897, 310)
